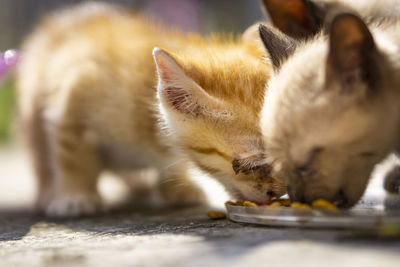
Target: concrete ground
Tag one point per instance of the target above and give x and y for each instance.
(185, 237)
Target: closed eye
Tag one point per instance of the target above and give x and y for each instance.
(250, 164)
(211, 151)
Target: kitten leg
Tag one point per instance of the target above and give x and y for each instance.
(177, 189)
(36, 138)
(142, 186)
(76, 167)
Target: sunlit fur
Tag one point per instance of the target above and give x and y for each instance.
(370, 10)
(339, 137)
(87, 102)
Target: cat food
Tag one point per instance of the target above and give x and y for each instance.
(317, 204)
(280, 203)
(275, 203)
(241, 203)
(298, 205)
(216, 215)
(249, 204)
(232, 203)
(324, 204)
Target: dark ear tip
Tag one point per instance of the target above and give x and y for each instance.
(261, 29)
(265, 33)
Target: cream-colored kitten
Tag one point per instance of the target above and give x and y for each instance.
(332, 109)
(88, 102)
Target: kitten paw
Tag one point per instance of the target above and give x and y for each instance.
(74, 204)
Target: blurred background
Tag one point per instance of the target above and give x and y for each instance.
(19, 17)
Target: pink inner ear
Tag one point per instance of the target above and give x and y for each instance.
(164, 71)
(181, 101)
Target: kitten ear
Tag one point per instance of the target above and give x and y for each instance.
(278, 45)
(352, 51)
(179, 92)
(297, 18)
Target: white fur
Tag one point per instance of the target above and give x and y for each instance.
(303, 112)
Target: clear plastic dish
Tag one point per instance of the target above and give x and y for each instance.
(356, 218)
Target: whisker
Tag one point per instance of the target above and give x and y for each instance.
(171, 165)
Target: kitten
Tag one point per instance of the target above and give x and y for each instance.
(89, 101)
(332, 112)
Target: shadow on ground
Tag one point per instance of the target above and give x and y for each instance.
(184, 237)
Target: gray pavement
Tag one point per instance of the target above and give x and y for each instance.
(186, 237)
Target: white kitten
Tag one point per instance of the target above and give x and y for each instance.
(332, 109)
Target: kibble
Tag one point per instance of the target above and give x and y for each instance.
(280, 203)
(216, 215)
(324, 204)
(302, 206)
(249, 204)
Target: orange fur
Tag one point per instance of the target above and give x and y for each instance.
(88, 75)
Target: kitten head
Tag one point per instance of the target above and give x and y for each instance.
(220, 135)
(330, 113)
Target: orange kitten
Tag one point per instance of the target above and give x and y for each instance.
(88, 101)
